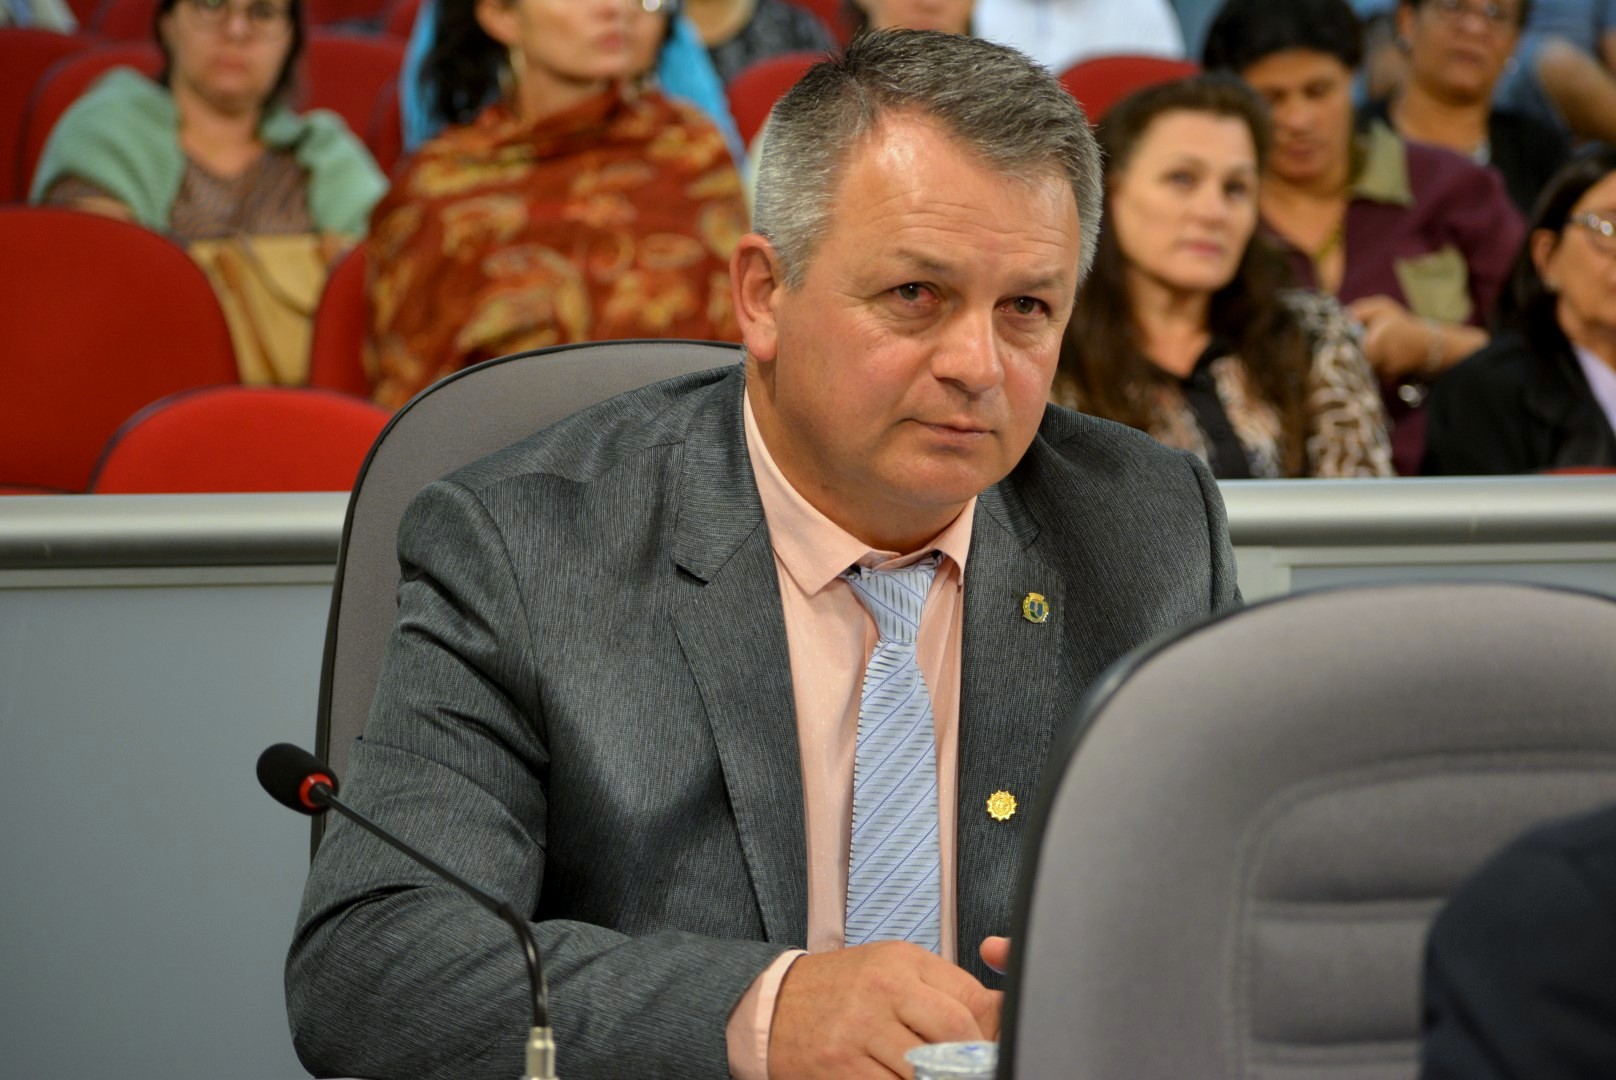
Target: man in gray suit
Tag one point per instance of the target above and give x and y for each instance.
(626, 690)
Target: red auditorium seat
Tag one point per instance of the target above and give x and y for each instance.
(84, 12)
(124, 20)
(67, 80)
(1100, 83)
(384, 134)
(329, 12)
(25, 56)
(336, 352)
(753, 92)
(401, 18)
(98, 318)
(347, 72)
(241, 438)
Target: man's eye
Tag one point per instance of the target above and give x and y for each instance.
(911, 293)
(1026, 305)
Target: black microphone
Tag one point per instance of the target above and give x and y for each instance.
(297, 779)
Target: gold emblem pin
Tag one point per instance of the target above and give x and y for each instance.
(1001, 806)
(1035, 608)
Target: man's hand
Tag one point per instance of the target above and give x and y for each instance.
(996, 953)
(855, 1012)
(1396, 341)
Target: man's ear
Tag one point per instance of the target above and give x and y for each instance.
(498, 20)
(756, 278)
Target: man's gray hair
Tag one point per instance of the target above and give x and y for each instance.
(994, 100)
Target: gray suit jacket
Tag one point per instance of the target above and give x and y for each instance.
(586, 707)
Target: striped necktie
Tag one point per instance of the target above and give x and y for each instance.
(893, 876)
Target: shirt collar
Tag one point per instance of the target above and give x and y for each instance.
(1380, 172)
(815, 550)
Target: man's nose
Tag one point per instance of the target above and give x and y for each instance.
(969, 353)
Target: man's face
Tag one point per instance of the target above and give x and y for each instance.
(909, 370)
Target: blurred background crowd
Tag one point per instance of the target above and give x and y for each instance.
(1341, 239)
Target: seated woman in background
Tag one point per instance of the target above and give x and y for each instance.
(1456, 51)
(574, 208)
(210, 153)
(1542, 395)
(739, 33)
(1415, 240)
(949, 16)
(1184, 328)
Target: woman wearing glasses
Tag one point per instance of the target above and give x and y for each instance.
(1457, 49)
(210, 153)
(1542, 395)
(576, 206)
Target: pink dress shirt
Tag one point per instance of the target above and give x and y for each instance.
(830, 637)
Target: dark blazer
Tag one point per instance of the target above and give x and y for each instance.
(1520, 979)
(1512, 409)
(586, 707)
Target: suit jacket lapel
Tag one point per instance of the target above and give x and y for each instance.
(733, 636)
(1010, 696)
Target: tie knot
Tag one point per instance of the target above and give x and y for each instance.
(894, 598)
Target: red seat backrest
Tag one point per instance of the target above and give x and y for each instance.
(1100, 83)
(385, 132)
(25, 56)
(753, 92)
(341, 322)
(66, 82)
(347, 72)
(401, 18)
(242, 438)
(98, 318)
(327, 12)
(124, 20)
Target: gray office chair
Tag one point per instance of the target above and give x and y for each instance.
(451, 423)
(1244, 833)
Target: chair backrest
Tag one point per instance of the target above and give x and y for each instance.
(241, 438)
(1100, 83)
(25, 56)
(451, 423)
(357, 12)
(337, 347)
(124, 20)
(1242, 837)
(66, 82)
(384, 132)
(400, 18)
(98, 319)
(347, 72)
(753, 92)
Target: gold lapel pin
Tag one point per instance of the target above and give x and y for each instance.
(1001, 806)
(1035, 608)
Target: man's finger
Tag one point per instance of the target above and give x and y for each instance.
(936, 1017)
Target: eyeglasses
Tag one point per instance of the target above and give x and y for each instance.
(1497, 16)
(264, 19)
(1601, 231)
(659, 7)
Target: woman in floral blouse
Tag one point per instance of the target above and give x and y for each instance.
(574, 208)
(1186, 327)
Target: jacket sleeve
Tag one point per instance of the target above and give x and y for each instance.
(395, 974)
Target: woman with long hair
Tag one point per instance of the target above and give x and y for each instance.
(1186, 328)
(561, 202)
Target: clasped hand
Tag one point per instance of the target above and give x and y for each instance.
(852, 1014)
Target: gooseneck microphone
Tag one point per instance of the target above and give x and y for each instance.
(297, 779)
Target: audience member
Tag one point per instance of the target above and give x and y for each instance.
(1060, 33)
(1414, 239)
(209, 153)
(666, 49)
(1184, 329)
(948, 16)
(1562, 70)
(53, 15)
(574, 208)
(1542, 395)
(739, 33)
(624, 690)
(1518, 967)
(1456, 50)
